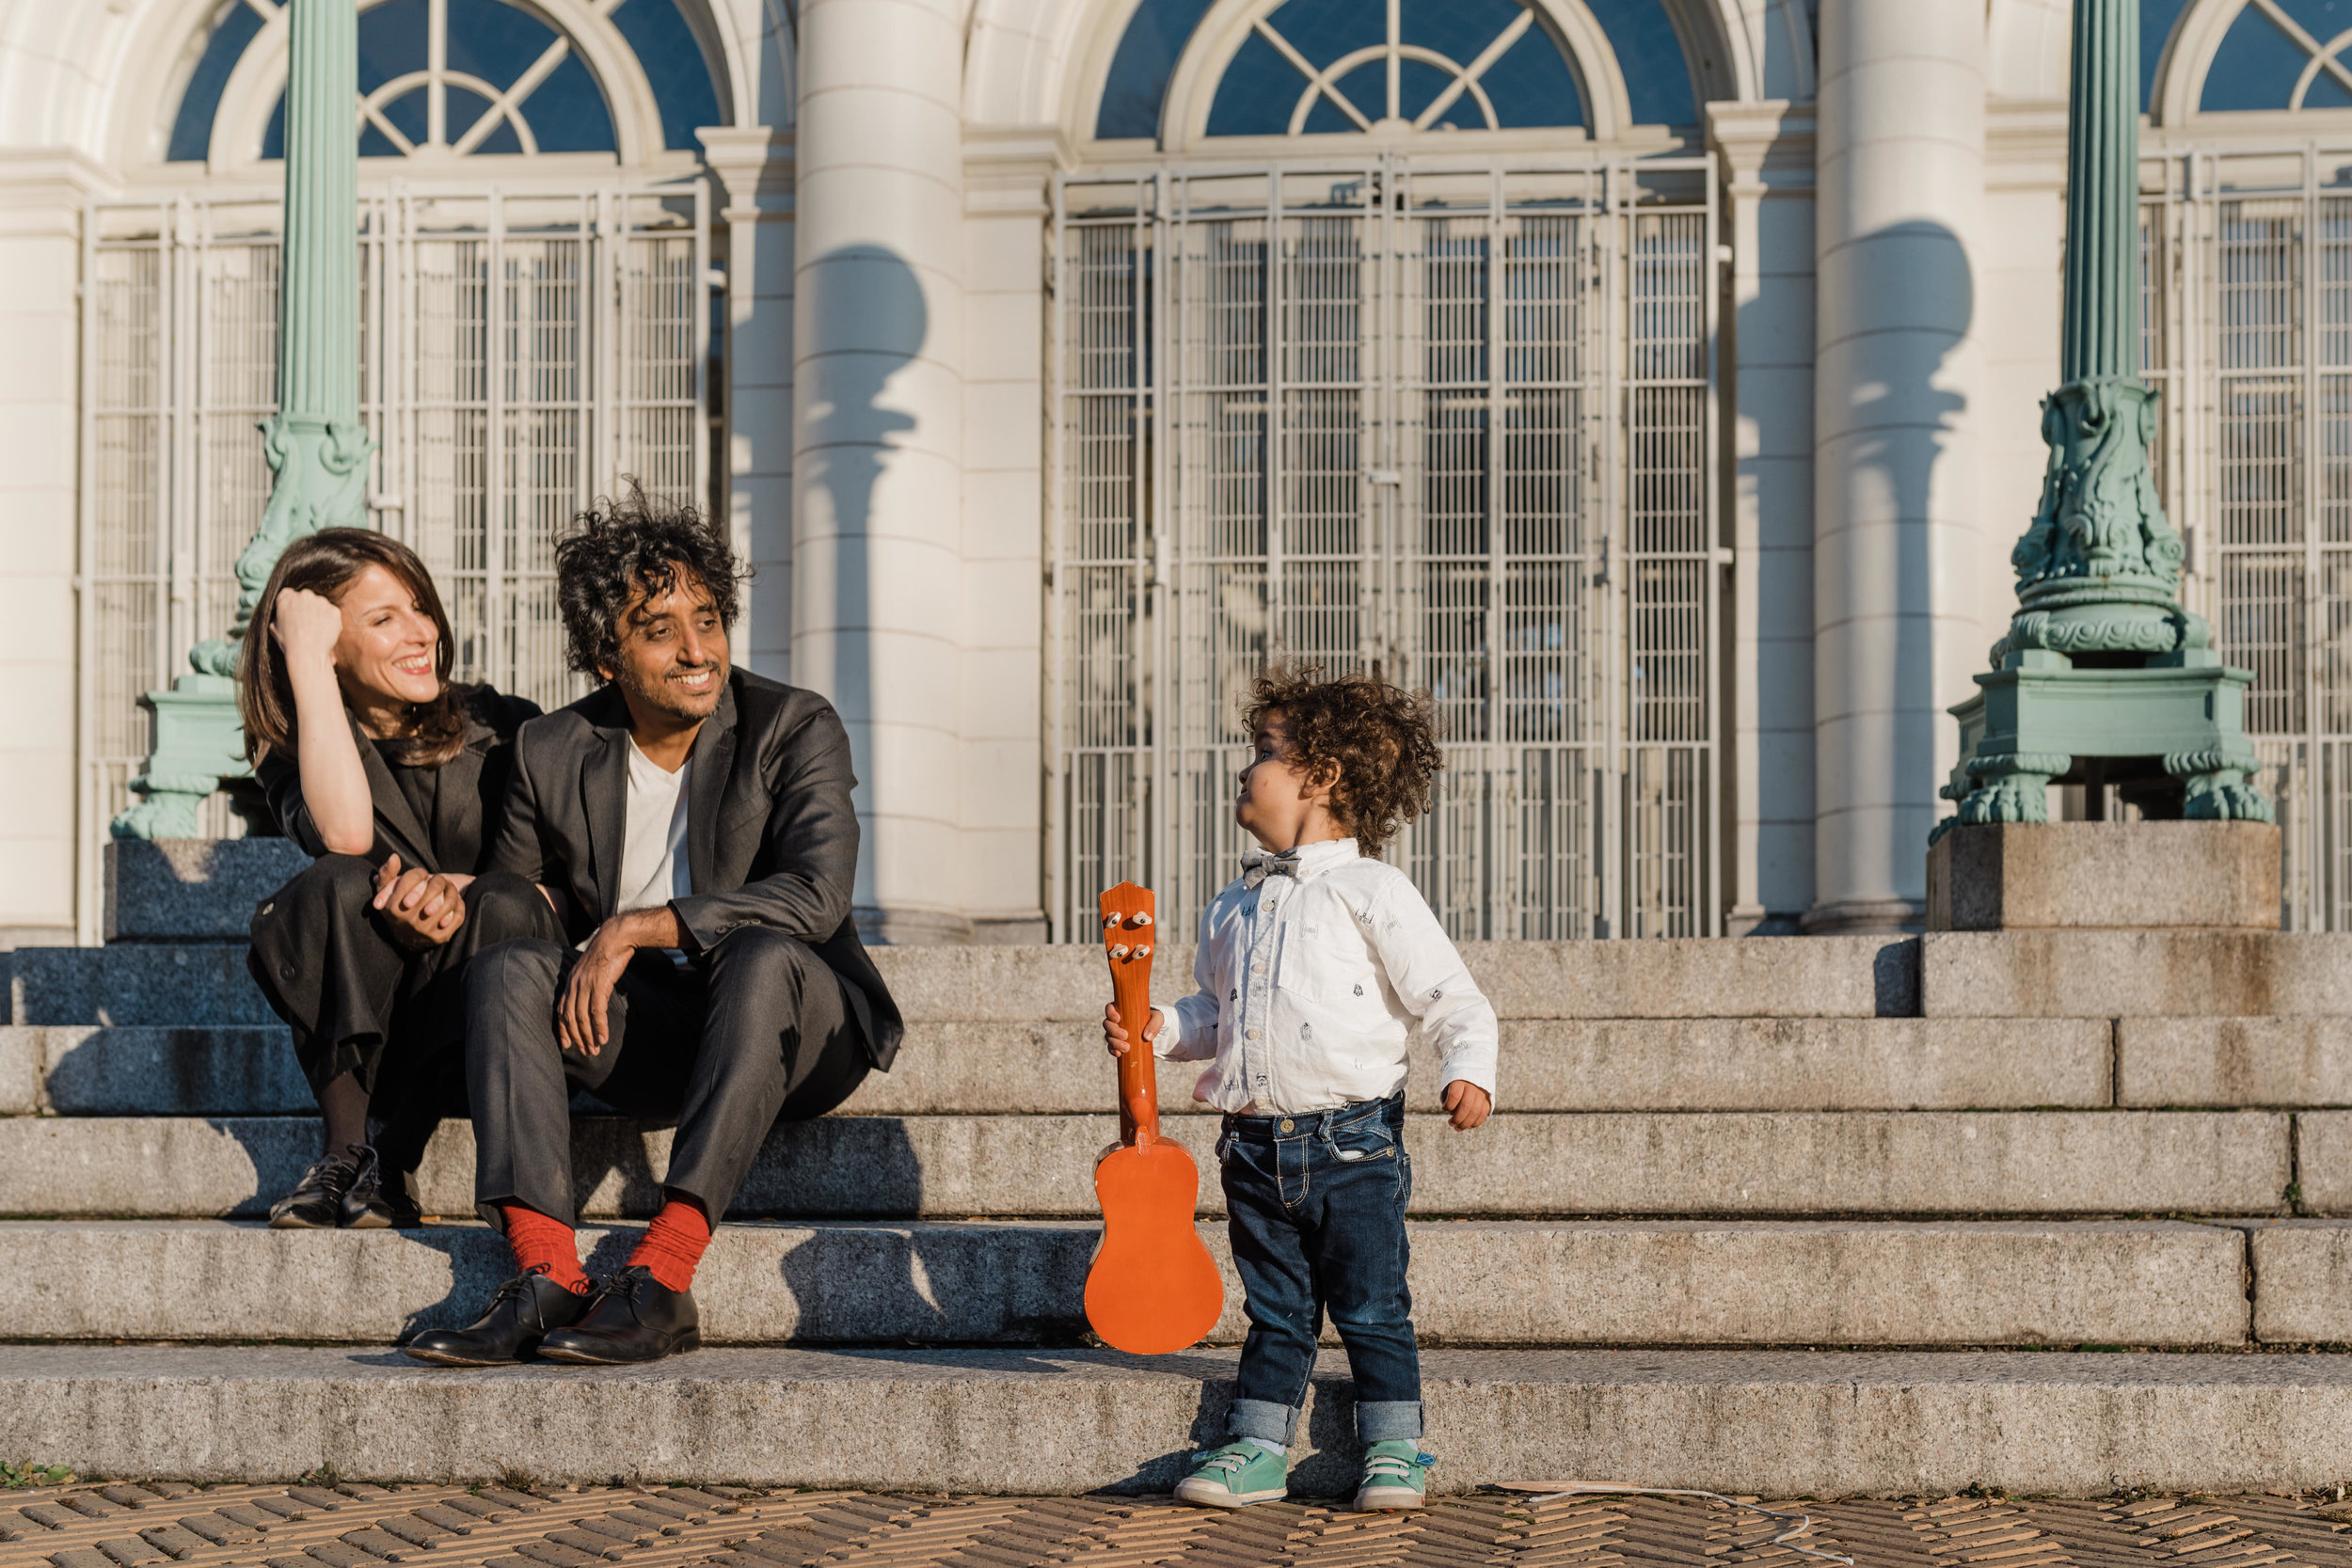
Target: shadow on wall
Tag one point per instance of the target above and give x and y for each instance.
(869, 323)
(1903, 424)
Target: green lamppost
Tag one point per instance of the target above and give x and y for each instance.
(2104, 677)
(316, 447)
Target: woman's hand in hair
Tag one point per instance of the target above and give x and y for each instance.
(425, 908)
(306, 625)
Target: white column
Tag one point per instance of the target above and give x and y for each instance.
(1898, 552)
(878, 434)
(754, 166)
(48, 842)
(1766, 153)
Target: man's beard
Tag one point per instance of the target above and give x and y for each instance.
(664, 695)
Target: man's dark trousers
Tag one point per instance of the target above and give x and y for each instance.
(754, 1029)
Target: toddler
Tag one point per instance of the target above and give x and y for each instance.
(1316, 968)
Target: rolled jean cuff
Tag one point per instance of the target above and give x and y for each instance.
(1269, 1422)
(1388, 1420)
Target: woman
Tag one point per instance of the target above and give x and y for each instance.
(393, 777)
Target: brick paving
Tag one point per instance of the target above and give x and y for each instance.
(349, 1525)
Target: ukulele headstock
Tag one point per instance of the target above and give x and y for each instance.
(1130, 928)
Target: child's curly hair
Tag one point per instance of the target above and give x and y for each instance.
(1381, 739)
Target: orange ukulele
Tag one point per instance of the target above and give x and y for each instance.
(1153, 1288)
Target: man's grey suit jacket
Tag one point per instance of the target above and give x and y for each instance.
(770, 839)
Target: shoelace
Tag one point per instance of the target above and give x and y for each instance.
(319, 1175)
(624, 1282)
(365, 1171)
(1389, 1467)
(1229, 1458)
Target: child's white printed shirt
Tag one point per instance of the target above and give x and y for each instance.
(1314, 987)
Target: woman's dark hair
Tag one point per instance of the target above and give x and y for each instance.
(619, 547)
(325, 562)
(1379, 741)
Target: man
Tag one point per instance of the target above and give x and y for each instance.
(693, 824)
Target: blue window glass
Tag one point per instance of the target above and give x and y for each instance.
(1649, 56)
(2261, 63)
(673, 60)
(1138, 85)
(1525, 79)
(192, 127)
(2156, 18)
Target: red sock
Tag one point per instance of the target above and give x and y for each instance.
(541, 1242)
(674, 1244)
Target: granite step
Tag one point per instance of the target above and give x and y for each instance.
(1520, 1166)
(188, 982)
(1008, 1420)
(1696, 1282)
(974, 1069)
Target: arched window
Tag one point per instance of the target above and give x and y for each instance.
(1336, 67)
(462, 78)
(2283, 55)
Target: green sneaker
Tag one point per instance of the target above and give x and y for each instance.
(1235, 1476)
(1396, 1474)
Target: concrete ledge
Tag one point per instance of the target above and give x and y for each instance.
(1480, 1283)
(2104, 875)
(192, 889)
(1738, 1421)
(1793, 1164)
(2302, 1281)
(1674, 978)
(1026, 1068)
(164, 984)
(2323, 1160)
(2233, 1061)
(2135, 973)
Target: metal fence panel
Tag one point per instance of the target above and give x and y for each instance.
(518, 354)
(1451, 421)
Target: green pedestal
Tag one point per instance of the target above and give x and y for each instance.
(2170, 734)
(199, 743)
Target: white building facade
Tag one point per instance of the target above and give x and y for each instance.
(1656, 382)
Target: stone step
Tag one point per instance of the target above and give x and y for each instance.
(2135, 973)
(1774, 1422)
(1526, 1165)
(1025, 1069)
(1475, 1282)
(188, 982)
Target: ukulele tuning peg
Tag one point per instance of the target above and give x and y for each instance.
(1120, 951)
(1144, 951)
(1143, 920)
(1109, 921)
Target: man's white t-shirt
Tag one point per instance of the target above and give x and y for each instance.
(654, 865)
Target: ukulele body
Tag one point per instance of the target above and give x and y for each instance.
(1153, 1286)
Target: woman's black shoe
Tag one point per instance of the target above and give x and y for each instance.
(632, 1317)
(378, 1200)
(522, 1313)
(317, 1201)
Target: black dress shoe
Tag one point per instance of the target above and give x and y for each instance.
(522, 1313)
(633, 1317)
(316, 1202)
(380, 1200)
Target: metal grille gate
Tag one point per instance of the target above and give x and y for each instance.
(2248, 328)
(519, 352)
(1455, 421)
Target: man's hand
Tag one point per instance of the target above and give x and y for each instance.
(1467, 1103)
(583, 1021)
(425, 908)
(1115, 1033)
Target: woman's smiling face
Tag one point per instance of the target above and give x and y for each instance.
(386, 652)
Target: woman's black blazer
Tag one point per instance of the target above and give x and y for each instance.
(471, 792)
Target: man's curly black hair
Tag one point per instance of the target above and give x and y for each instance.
(621, 546)
(1379, 739)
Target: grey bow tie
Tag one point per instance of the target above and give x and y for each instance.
(1257, 866)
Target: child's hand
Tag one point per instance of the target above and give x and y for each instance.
(1467, 1103)
(1115, 1033)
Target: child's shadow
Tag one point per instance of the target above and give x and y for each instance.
(1327, 1468)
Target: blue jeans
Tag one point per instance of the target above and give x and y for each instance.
(1318, 1207)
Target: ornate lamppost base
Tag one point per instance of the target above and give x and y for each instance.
(2170, 734)
(198, 744)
